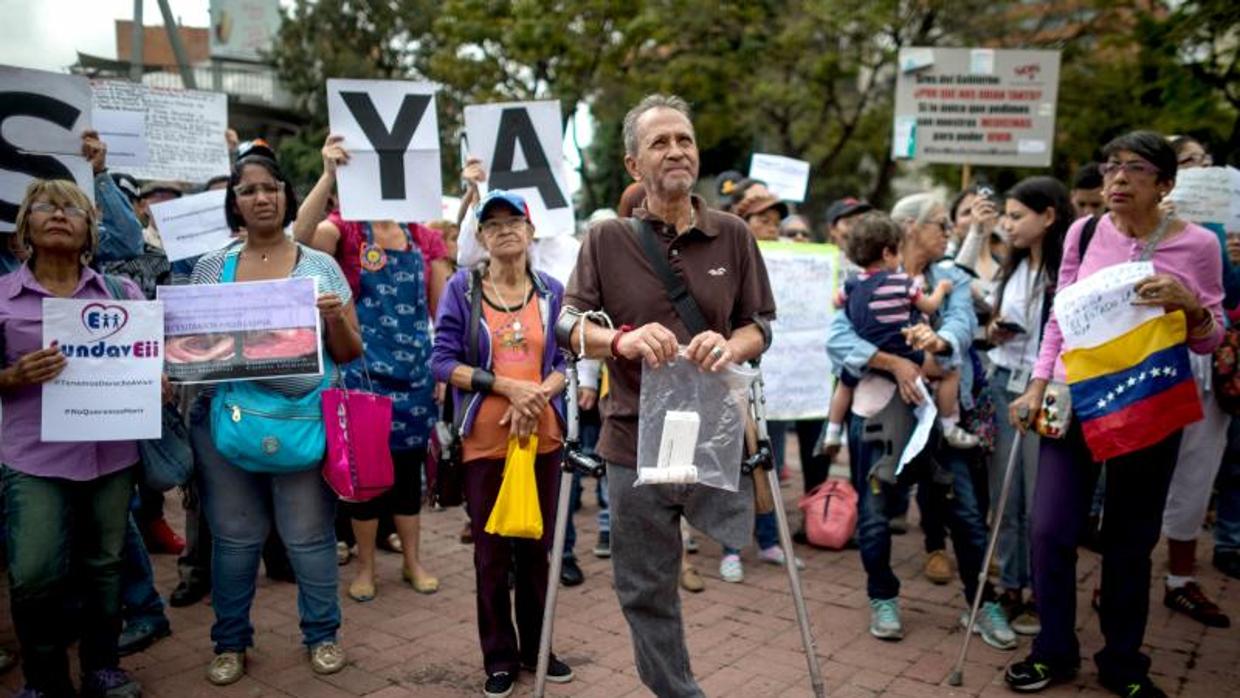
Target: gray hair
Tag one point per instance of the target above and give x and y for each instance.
(652, 101)
(915, 208)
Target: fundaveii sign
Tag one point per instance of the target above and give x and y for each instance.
(110, 388)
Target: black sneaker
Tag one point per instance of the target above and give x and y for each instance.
(1228, 563)
(570, 573)
(1142, 688)
(1192, 601)
(603, 547)
(1032, 675)
(499, 684)
(187, 594)
(557, 671)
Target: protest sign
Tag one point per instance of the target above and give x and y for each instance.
(1206, 195)
(42, 117)
(1099, 308)
(110, 388)
(242, 30)
(184, 129)
(124, 132)
(521, 145)
(192, 225)
(392, 135)
(796, 369)
(977, 106)
(242, 331)
(786, 178)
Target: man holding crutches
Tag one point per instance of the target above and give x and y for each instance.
(715, 270)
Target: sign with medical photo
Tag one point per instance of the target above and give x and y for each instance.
(521, 145)
(42, 117)
(110, 388)
(392, 135)
(242, 331)
(980, 106)
(795, 369)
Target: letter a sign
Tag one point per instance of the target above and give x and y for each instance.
(521, 144)
(392, 135)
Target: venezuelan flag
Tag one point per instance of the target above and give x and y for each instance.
(1135, 390)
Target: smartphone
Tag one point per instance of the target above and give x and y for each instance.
(1010, 327)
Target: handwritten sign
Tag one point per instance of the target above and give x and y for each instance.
(787, 178)
(979, 106)
(241, 331)
(124, 133)
(796, 368)
(110, 388)
(1099, 308)
(192, 225)
(1208, 195)
(184, 129)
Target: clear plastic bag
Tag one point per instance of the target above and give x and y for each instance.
(713, 404)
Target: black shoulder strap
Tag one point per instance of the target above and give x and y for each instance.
(677, 292)
(1087, 235)
(475, 316)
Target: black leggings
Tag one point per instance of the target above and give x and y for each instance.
(405, 497)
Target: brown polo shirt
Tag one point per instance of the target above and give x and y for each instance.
(722, 268)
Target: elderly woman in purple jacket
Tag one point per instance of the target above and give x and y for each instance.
(495, 344)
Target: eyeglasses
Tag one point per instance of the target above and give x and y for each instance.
(1111, 167)
(493, 226)
(1196, 160)
(49, 209)
(246, 191)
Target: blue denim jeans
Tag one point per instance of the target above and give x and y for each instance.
(140, 602)
(589, 438)
(241, 508)
(1014, 550)
(958, 502)
(1227, 525)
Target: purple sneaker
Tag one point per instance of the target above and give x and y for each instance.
(110, 683)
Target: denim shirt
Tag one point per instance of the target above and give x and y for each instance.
(849, 352)
(120, 233)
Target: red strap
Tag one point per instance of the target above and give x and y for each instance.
(615, 340)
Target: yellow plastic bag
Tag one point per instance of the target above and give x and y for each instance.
(516, 513)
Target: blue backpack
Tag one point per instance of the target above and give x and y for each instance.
(264, 431)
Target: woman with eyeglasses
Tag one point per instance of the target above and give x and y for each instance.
(241, 502)
(67, 503)
(1139, 170)
(397, 273)
(495, 344)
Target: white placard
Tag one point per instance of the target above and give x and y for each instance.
(392, 135)
(124, 132)
(1207, 195)
(521, 145)
(110, 388)
(190, 226)
(796, 369)
(1099, 308)
(42, 117)
(787, 178)
(184, 128)
(243, 29)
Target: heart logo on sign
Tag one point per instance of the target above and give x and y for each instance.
(103, 321)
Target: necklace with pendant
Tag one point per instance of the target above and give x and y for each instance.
(518, 335)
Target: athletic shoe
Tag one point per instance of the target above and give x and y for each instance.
(1142, 688)
(938, 567)
(499, 685)
(1032, 675)
(1192, 602)
(226, 668)
(992, 625)
(731, 569)
(557, 671)
(602, 549)
(885, 619)
(139, 635)
(959, 438)
(1027, 622)
(109, 683)
(327, 658)
(774, 555)
(570, 573)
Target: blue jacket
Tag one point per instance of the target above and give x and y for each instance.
(452, 336)
(120, 233)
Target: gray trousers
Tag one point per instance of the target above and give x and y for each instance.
(645, 556)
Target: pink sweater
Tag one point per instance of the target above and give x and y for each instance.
(1192, 257)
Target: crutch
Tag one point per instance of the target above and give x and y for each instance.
(575, 461)
(764, 458)
(956, 678)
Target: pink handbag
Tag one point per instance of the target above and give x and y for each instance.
(358, 466)
(830, 514)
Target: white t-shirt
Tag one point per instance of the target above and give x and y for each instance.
(1022, 304)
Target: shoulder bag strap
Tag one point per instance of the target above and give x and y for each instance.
(686, 307)
(457, 412)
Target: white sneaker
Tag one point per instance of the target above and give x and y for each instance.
(992, 625)
(885, 619)
(731, 570)
(959, 438)
(774, 555)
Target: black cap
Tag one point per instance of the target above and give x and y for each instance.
(128, 184)
(846, 207)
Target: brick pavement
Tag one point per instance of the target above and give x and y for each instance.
(743, 638)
